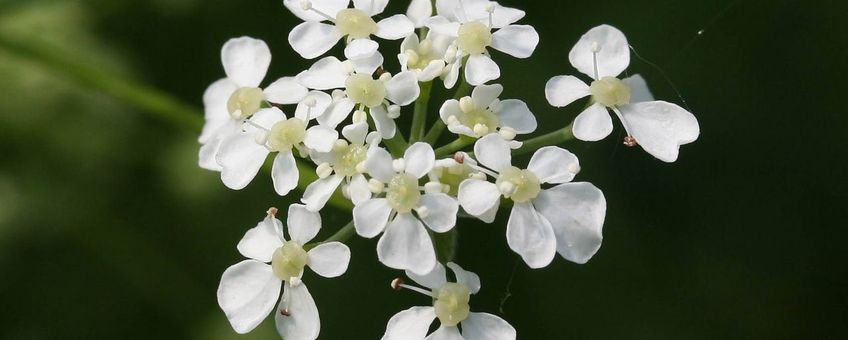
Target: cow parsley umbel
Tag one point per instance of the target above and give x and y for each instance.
(332, 137)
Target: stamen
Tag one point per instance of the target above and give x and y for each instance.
(491, 9)
(324, 170)
(399, 165)
(375, 186)
(630, 142)
(306, 5)
(260, 127)
(398, 284)
(459, 157)
(272, 212)
(394, 111)
(359, 116)
(595, 60)
(507, 133)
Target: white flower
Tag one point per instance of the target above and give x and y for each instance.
(567, 218)
(250, 289)
(448, 174)
(426, 58)
(472, 23)
(242, 154)
(483, 113)
(450, 306)
(602, 54)
(399, 209)
(228, 101)
(345, 163)
(313, 38)
(382, 97)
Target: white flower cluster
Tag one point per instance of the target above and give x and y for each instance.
(342, 121)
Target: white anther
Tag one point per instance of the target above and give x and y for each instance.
(386, 76)
(490, 8)
(399, 165)
(260, 137)
(481, 130)
(376, 186)
(360, 116)
(373, 138)
(466, 104)
(507, 188)
(347, 66)
(295, 281)
(394, 112)
(574, 168)
(339, 145)
(478, 176)
(338, 95)
(507, 133)
(360, 167)
(452, 121)
(305, 5)
(423, 212)
(433, 187)
(310, 102)
(346, 191)
(324, 170)
(596, 47)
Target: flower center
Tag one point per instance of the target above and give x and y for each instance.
(482, 120)
(348, 158)
(288, 261)
(474, 37)
(610, 91)
(451, 303)
(403, 193)
(519, 185)
(286, 134)
(365, 90)
(420, 58)
(453, 176)
(245, 102)
(355, 23)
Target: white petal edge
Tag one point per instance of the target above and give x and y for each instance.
(613, 54)
(303, 321)
(319, 192)
(247, 294)
(530, 235)
(284, 173)
(312, 39)
(329, 259)
(419, 159)
(410, 324)
(478, 197)
(576, 212)
(440, 213)
(593, 124)
(302, 223)
(554, 165)
(406, 245)
(493, 152)
(660, 127)
(480, 69)
(371, 217)
(484, 326)
(246, 60)
(516, 40)
(563, 90)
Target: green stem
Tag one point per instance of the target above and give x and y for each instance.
(396, 145)
(343, 235)
(136, 94)
(419, 118)
(445, 245)
(554, 138)
(439, 127)
(454, 146)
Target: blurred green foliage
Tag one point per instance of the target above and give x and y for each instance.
(109, 230)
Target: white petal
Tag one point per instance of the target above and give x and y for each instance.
(451, 75)
(370, 217)
(433, 70)
(246, 61)
(516, 40)
(371, 7)
(419, 11)
(303, 224)
(326, 74)
(593, 124)
(440, 213)
(311, 39)
(478, 197)
(284, 173)
(563, 90)
(321, 138)
(303, 322)
(285, 90)
(385, 125)
(260, 242)
(660, 127)
(443, 26)
(403, 88)
(554, 165)
(419, 159)
(216, 116)
(639, 91)
(358, 189)
(484, 95)
(240, 158)
(247, 293)
(488, 216)
(465, 278)
(337, 113)
(361, 48)
(378, 163)
(329, 259)
(613, 52)
(406, 245)
(411, 324)
(484, 326)
(433, 279)
(356, 133)
(493, 152)
(313, 105)
(330, 7)
(448, 109)
(207, 155)
(530, 235)
(319, 192)
(445, 333)
(576, 212)
(395, 27)
(480, 69)
(515, 114)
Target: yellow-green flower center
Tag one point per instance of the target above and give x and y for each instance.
(286, 134)
(365, 90)
(355, 23)
(421, 57)
(482, 120)
(348, 158)
(474, 37)
(519, 185)
(288, 261)
(610, 92)
(453, 176)
(403, 193)
(245, 102)
(451, 303)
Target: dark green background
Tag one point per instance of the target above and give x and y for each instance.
(109, 230)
